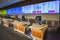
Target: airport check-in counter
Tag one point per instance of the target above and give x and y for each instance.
(6, 21)
(37, 30)
(19, 26)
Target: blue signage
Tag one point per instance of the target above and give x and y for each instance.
(46, 7)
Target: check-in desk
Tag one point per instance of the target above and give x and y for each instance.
(19, 26)
(6, 23)
(37, 30)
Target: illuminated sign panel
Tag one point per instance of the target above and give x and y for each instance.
(46, 7)
(2, 11)
(16, 10)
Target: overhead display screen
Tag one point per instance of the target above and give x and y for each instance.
(46, 7)
(14, 10)
(2, 11)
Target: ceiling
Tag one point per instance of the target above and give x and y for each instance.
(14, 3)
(4, 3)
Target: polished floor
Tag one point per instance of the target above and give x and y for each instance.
(8, 34)
(53, 36)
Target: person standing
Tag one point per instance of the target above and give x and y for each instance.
(23, 18)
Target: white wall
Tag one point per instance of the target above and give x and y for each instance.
(54, 17)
